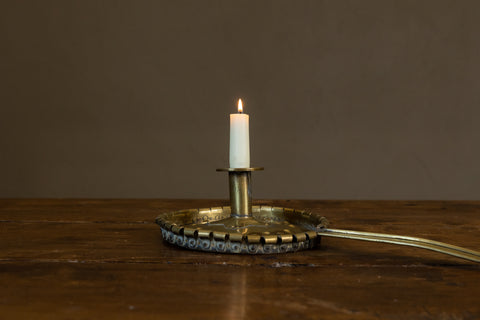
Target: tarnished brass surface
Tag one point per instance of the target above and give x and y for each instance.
(268, 230)
(240, 185)
(240, 193)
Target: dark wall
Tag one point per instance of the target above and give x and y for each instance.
(347, 99)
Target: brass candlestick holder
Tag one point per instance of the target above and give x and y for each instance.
(247, 229)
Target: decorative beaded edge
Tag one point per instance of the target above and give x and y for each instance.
(227, 246)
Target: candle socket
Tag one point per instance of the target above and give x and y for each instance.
(240, 183)
(240, 193)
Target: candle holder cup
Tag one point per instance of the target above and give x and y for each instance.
(240, 182)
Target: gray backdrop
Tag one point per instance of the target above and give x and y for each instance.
(347, 99)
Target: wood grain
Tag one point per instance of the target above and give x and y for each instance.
(88, 259)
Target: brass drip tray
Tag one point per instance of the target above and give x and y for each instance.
(267, 230)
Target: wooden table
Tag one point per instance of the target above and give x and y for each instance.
(87, 259)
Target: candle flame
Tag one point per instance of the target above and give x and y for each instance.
(240, 106)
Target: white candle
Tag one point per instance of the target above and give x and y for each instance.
(239, 139)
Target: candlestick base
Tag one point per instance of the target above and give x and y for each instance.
(243, 228)
(274, 230)
(268, 230)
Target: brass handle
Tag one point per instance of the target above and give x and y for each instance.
(405, 241)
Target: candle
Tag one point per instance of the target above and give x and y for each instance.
(239, 139)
